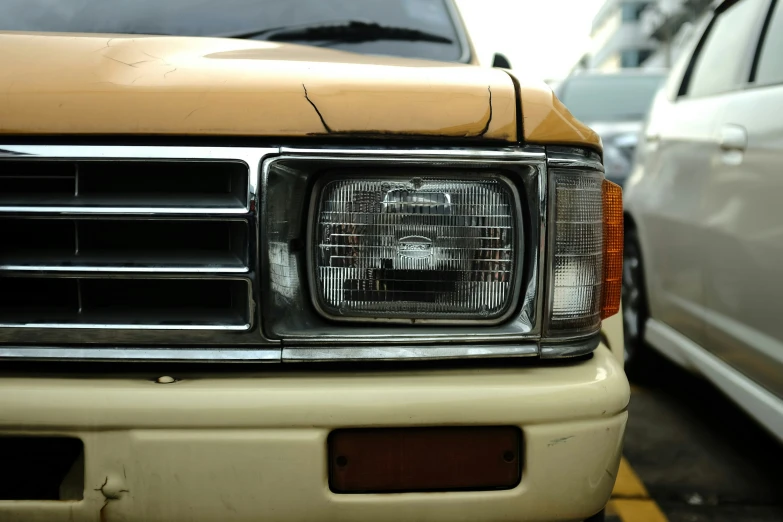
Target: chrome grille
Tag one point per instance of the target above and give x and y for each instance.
(108, 241)
(142, 253)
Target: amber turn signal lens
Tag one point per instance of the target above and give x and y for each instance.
(613, 249)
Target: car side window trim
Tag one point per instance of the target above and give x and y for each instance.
(760, 43)
(753, 80)
(686, 78)
(466, 55)
(680, 67)
(742, 76)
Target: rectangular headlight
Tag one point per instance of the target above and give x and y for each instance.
(416, 248)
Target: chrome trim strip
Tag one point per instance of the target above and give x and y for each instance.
(125, 270)
(108, 326)
(129, 211)
(398, 353)
(132, 152)
(70, 337)
(111, 273)
(564, 163)
(267, 355)
(531, 153)
(252, 157)
(570, 349)
(570, 157)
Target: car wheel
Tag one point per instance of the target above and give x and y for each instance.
(634, 304)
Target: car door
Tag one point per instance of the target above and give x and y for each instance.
(744, 207)
(680, 151)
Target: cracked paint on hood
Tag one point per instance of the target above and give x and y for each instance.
(102, 84)
(547, 121)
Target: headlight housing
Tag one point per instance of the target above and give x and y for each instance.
(346, 233)
(415, 248)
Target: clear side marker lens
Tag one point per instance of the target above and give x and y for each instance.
(577, 273)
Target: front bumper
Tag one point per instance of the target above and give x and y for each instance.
(253, 446)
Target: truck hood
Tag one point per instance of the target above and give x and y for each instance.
(55, 84)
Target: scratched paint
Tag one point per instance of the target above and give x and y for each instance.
(546, 120)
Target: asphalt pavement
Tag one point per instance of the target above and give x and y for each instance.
(699, 458)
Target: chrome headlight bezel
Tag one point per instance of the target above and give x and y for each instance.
(289, 310)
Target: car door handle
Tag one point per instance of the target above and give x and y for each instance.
(733, 137)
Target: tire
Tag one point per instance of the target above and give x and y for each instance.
(639, 359)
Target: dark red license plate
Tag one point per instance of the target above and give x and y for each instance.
(387, 460)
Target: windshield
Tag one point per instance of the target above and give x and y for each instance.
(227, 17)
(610, 98)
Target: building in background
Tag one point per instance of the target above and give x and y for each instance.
(671, 23)
(641, 33)
(617, 38)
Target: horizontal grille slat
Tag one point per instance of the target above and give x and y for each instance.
(126, 243)
(27, 185)
(41, 178)
(123, 302)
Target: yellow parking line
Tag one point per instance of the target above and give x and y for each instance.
(628, 484)
(637, 510)
(630, 500)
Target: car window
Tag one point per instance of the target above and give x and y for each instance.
(722, 53)
(770, 65)
(610, 98)
(229, 17)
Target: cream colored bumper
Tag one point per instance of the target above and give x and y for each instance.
(253, 447)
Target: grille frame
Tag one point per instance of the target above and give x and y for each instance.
(244, 331)
(520, 337)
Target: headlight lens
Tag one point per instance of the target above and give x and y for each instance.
(421, 248)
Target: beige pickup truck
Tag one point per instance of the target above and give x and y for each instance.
(252, 269)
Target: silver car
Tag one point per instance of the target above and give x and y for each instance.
(614, 105)
(704, 213)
